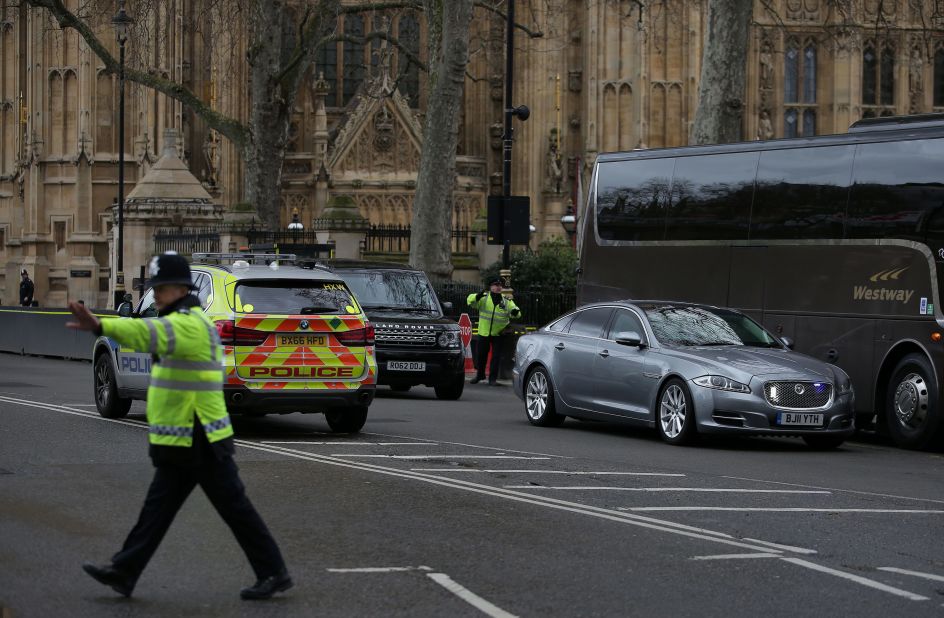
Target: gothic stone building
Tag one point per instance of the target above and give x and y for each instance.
(603, 76)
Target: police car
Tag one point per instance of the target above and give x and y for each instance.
(295, 340)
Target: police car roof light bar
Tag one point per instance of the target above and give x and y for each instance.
(252, 258)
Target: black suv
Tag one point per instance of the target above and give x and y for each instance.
(416, 343)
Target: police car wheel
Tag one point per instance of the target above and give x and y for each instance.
(451, 390)
(107, 401)
(348, 420)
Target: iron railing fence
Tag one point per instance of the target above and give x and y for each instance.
(396, 239)
(187, 241)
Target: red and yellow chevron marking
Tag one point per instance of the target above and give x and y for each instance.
(272, 367)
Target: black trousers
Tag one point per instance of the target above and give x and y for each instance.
(219, 479)
(496, 342)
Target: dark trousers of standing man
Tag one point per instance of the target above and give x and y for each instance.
(496, 342)
(219, 479)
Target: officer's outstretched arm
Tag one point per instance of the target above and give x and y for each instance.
(153, 335)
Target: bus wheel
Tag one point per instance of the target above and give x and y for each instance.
(912, 415)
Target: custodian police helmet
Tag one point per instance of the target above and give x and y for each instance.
(169, 269)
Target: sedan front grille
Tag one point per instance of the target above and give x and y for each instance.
(798, 395)
(405, 338)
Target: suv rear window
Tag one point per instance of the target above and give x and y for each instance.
(294, 297)
(391, 289)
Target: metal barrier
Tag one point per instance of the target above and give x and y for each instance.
(43, 332)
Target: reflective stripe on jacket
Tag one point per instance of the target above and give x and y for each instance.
(187, 379)
(493, 318)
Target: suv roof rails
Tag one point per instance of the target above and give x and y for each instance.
(893, 123)
(252, 258)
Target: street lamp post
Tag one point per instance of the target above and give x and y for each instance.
(121, 23)
(569, 223)
(522, 112)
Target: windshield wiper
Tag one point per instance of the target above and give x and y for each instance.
(399, 308)
(712, 343)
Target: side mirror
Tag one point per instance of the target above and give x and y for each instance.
(447, 306)
(787, 341)
(124, 310)
(631, 339)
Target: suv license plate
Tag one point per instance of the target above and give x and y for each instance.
(311, 341)
(405, 366)
(799, 418)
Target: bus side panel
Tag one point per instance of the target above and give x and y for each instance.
(650, 272)
(846, 342)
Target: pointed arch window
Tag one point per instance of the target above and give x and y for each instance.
(799, 88)
(878, 80)
(344, 63)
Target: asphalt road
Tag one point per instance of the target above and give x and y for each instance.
(464, 509)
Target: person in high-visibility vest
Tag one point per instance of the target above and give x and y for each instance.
(190, 434)
(495, 313)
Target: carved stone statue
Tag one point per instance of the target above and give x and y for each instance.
(213, 155)
(554, 172)
(766, 67)
(916, 72)
(765, 129)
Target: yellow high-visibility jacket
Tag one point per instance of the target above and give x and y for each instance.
(493, 317)
(187, 378)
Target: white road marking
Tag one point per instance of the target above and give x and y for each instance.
(871, 583)
(488, 448)
(380, 569)
(667, 489)
(544, 472)
(735, 556)
(846, 491)
(468, 596)
(779, 510)
(349, 443)
(796, 550)
(80, 405)
(931, 576)
(435, 456)
(601, 513)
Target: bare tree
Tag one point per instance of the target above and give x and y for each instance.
(448, 27)
(721, 87)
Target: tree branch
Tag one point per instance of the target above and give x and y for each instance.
(231, 128)
(534, 34)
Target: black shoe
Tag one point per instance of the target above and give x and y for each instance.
(110, 576)
(265, 588)
(493, 383)
(475, 380)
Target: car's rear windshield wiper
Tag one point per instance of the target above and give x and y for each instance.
(310, 310)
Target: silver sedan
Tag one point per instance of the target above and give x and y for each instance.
(683, 368)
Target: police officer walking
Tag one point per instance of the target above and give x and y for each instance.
(495, 313)
(190, 434)
(26, 289)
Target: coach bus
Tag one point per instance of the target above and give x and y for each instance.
(835, 243)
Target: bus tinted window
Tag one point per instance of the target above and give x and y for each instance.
(801, 193)
(897, 189)
(632, 198)
(711, 197)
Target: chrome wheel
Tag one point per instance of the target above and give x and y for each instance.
(911, 401)
(102, 385)
(672, 410)
(536, 395)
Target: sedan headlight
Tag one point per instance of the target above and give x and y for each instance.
(843, 384)
(722, 384)
(449, 339)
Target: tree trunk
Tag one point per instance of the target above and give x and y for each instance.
(268, 113)
(720, 113)
(431, 246)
